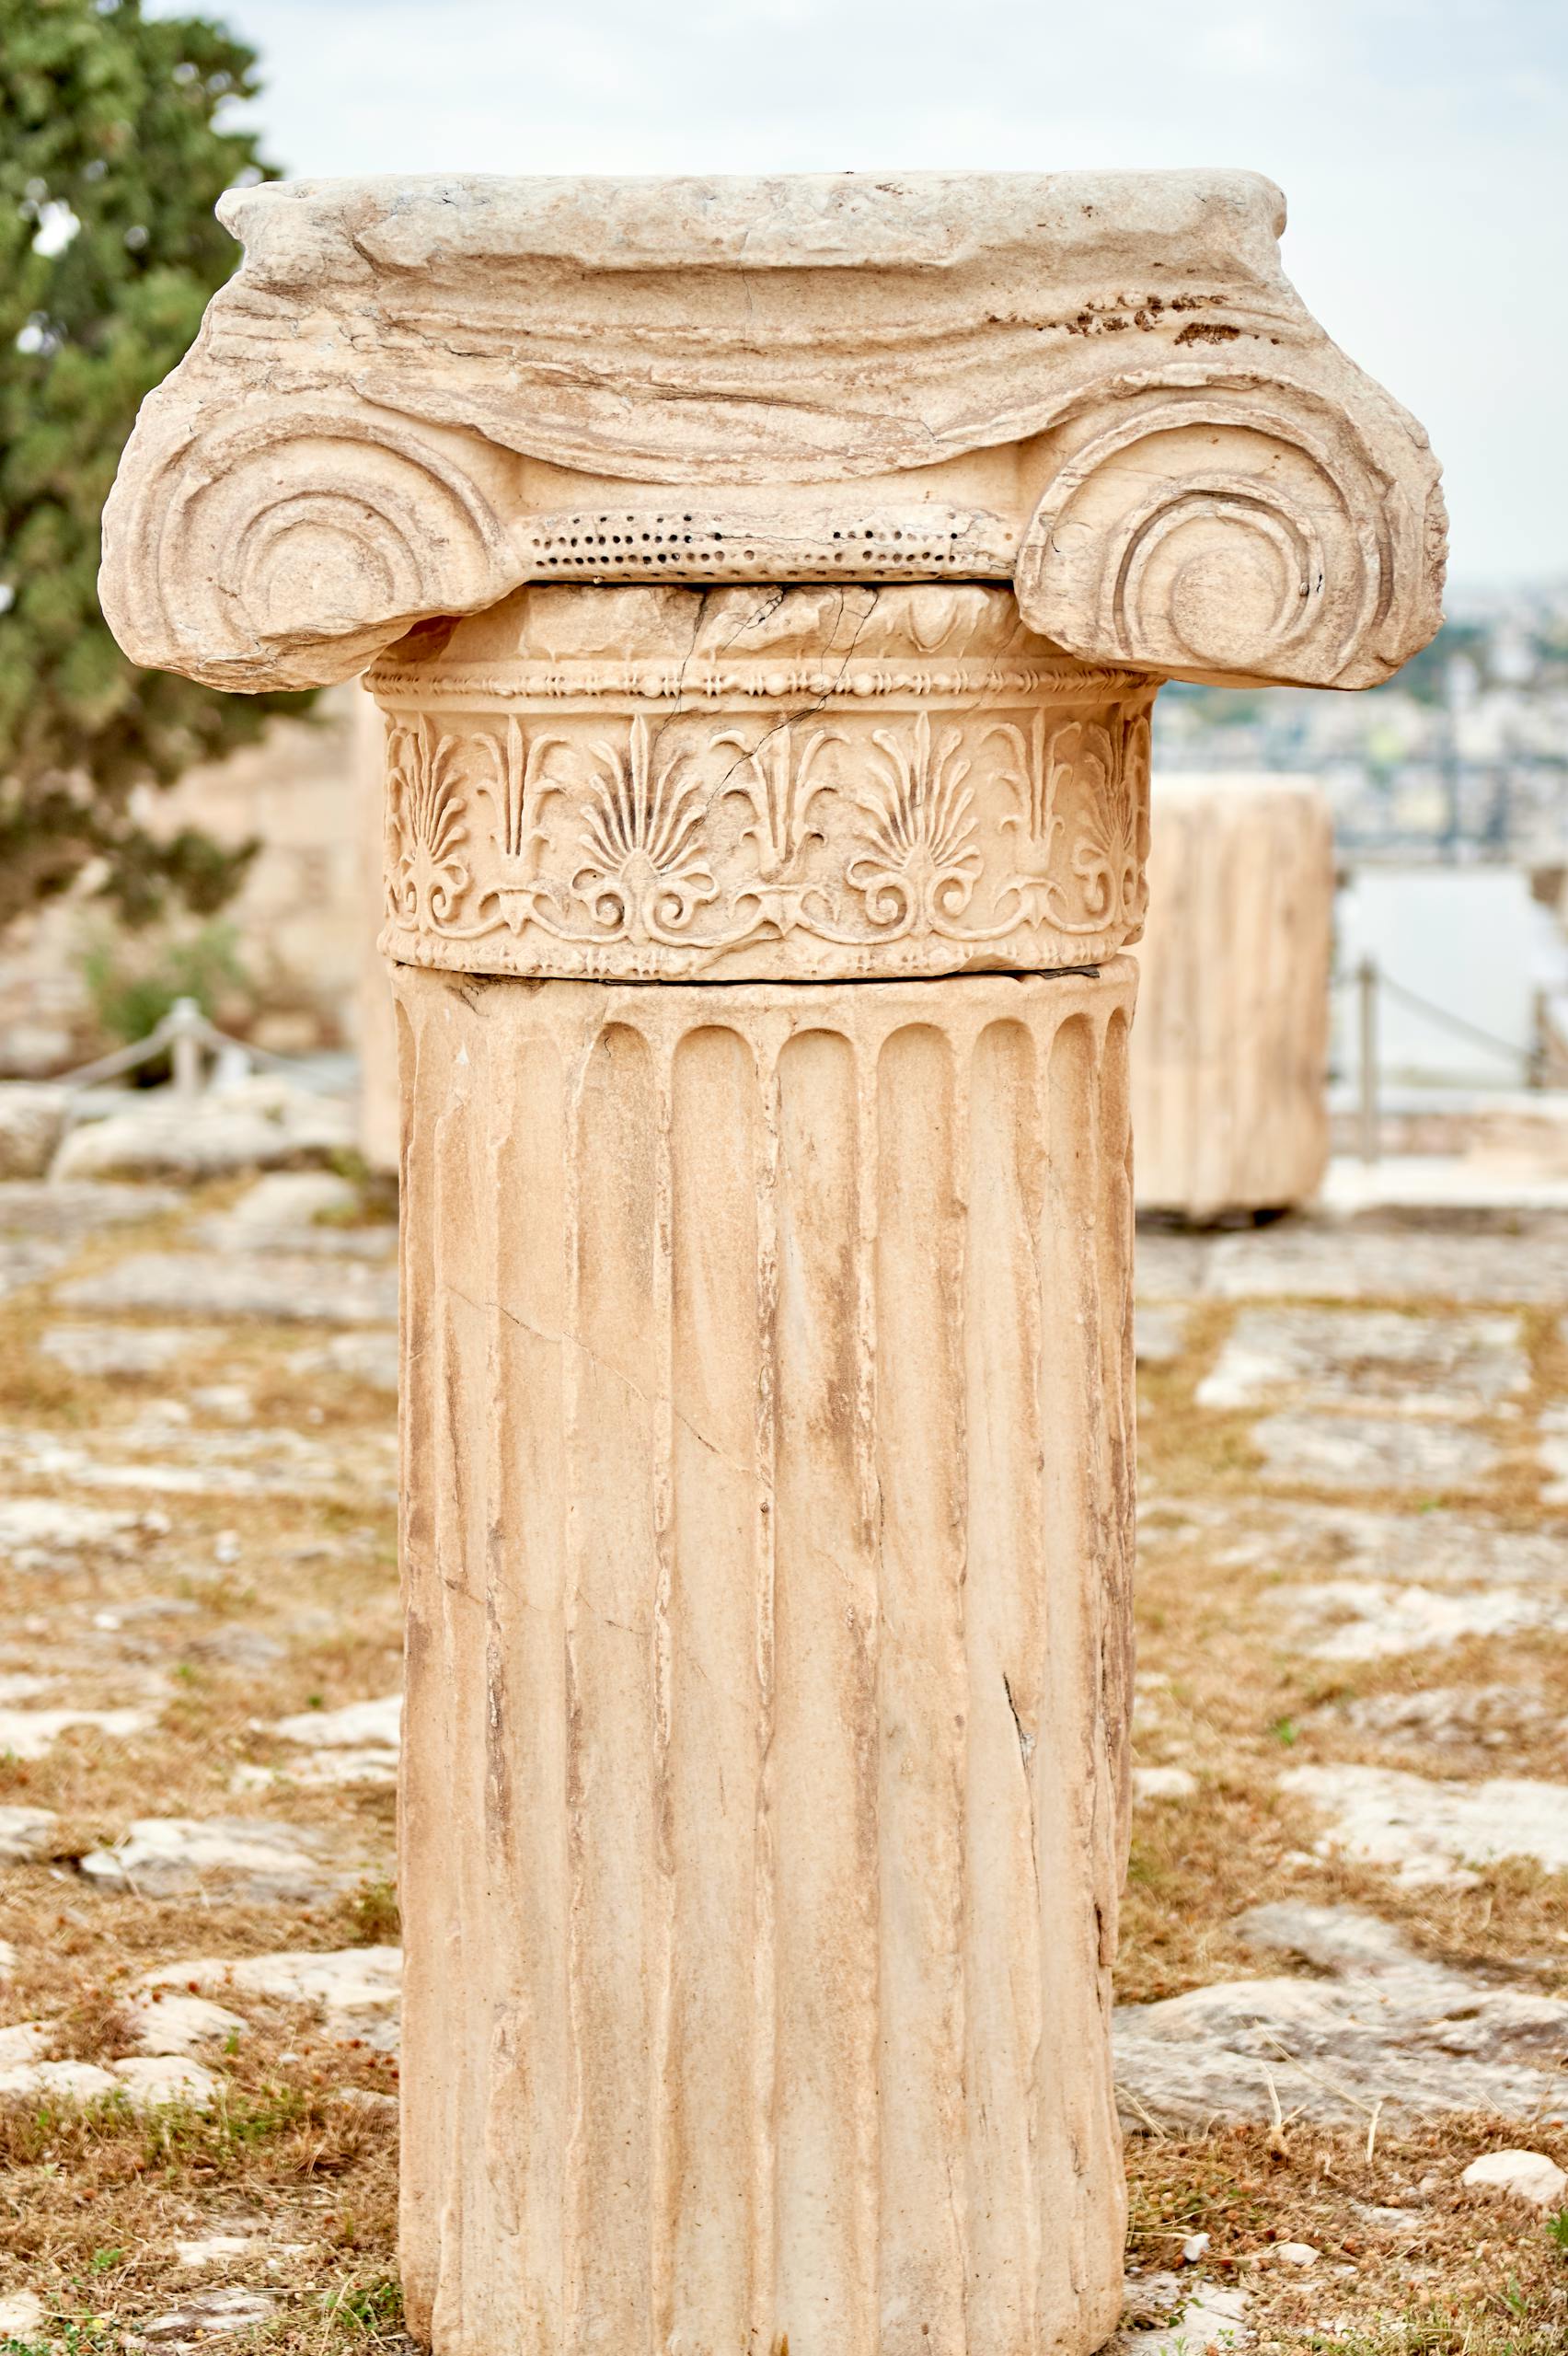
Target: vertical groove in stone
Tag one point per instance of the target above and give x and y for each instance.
(526, 1869)
(767, 1583)
(425, 1867)
(761, 2157)
(823, 1738)
(1004, 1647)
(922, 1700)
(1119, 1394)
(1068, 1770)
(611, 1787)
(464, 1369)
(1110, 1565)
(708, 2228)
(663, 2160)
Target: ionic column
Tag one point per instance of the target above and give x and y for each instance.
(765, 586)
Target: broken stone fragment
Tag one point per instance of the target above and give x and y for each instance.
(1529, 2176)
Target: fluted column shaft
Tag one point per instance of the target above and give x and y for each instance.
(768, 1476)
(768, 1433)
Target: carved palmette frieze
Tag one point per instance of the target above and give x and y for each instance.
(653, 843)
(923, 822)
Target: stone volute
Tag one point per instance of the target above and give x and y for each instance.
(766, 586)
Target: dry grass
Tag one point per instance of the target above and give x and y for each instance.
(92, 2201)
(97, 2195)
(1473, 2275)
(1464, 2270)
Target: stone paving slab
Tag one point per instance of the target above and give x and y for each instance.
(102, 1352)
(168, 1458)
(1356, 1262)
(259, 1125)
(255, 1857)
(1169, 1265)
(1417, 1365)
(1490, 1718)
(358, 1989)
(1553, 1453)
(1380, 2027)
(43, 1533)
(368, 1356)
(230, 1235)
(294, 1289)
(27, 1834)
(1159, 1334)
(27, 1260)
(1438, 1547)
(29, 1732)
(1435, 1832)
(67, 1210)
(1373, 1452)
(1371, 1620)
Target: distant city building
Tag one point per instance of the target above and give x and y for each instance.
(1463, 757)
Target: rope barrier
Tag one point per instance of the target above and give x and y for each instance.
(184, 1032)
(1455, 1023)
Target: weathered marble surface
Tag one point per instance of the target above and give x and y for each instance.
(1378, 2024)
(377, 1025)
(1452, 1365)
(759, 784)
(415, 395)
(766, 584)
(786, 1337)
(1230, 1060)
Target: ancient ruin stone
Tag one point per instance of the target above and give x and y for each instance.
(1231, 1047)
(765, 583)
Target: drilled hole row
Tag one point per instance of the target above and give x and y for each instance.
(622, 560)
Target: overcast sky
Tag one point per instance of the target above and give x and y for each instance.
(1422, 147)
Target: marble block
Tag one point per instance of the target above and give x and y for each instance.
(1230, 1068)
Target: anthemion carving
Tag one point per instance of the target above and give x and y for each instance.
(765, 586)
(931, 789)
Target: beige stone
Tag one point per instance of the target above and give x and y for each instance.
(1229, 1068)
(759, 783)
(295, 916)
(765, 1788)
(377, 1021)
(417, 394)
(764, 584)
(296, 922)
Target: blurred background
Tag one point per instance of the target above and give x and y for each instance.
(1420, 147)
(1350, 1740)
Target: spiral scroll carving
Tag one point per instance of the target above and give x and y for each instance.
(286, 543)
(1238, 531)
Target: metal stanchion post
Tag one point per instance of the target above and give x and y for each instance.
(1367, 988)
(186, 1027)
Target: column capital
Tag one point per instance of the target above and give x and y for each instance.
(417, 396)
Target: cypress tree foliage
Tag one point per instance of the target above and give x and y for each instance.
(112, 160)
